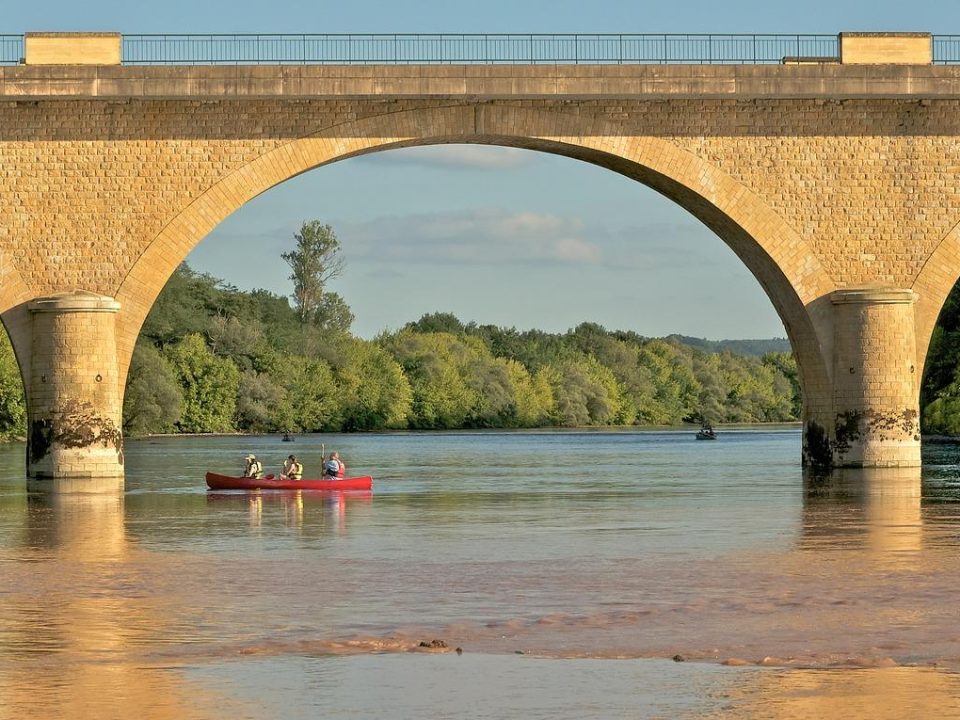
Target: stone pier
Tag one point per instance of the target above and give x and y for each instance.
(74, 398)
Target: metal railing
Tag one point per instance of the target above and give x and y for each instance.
(408, 49)
(946, 49)
(11, 49)
(469, 49)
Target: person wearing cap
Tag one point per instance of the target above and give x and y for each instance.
(292, 470)
(253, 468)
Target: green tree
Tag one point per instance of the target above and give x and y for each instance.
(374, 389)
(436, 366)
(677, 389)
(260, 403)
(786, 365)
(535, 405)
(437, 322)
(153, 398)
(585, 393)
(209, 386)
(238, 341)
(312, 402)
(183, 307)
(314, 262)
(333, 313)
(13, 413)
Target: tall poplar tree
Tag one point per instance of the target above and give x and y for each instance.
(314, 262)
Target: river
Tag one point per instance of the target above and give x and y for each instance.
(581, 574)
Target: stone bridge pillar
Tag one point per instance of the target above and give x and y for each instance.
(74, 398)
(876, 414)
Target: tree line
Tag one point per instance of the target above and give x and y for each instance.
(213, 358)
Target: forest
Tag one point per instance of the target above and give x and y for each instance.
(212, 358)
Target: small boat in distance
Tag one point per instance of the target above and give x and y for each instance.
(287, 437)
(706, 432)
(215, 481)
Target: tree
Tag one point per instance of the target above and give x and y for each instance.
(313, 263)
(13, 411)
(209, 385)
(182, 308)
(235, 340)
(585, 393)
(260, 403)
(435, 365)
(152, 400)
(311, 402)
(333, 313)
(437, 322)
(375, 391)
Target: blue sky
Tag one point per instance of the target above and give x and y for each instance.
(494, 235)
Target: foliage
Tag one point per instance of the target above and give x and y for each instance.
(311, 403)
(153, 398)
(585, 393)
(13, 413)
(373, 388)
(940, 387)
(259, 402)
(209, 386)
(248, 360)
(313, 263)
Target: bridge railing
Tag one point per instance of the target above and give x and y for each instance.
(11, 49)
(946, 49)
(409, 49)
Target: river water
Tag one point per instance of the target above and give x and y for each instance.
(582, 574)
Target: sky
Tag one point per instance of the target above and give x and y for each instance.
(494, 235)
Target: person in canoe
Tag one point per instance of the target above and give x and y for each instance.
(292, 470)
(253, 468)
(334, 468)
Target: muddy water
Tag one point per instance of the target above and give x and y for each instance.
(570, 568)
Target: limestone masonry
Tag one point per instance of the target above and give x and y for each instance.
(838, 185)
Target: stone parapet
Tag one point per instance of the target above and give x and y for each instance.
(898, 48)
(95, 48)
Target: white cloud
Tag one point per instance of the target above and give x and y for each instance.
(487, 236)
(455, 157)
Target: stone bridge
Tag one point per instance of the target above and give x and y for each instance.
(837, 184)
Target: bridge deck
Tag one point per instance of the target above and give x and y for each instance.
(826, 80)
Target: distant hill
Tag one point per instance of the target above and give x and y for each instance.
(741, 347)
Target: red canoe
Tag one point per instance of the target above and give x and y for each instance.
(226, 482)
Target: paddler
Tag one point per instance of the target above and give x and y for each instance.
(292, 470)
(253, 468)
(334, 468)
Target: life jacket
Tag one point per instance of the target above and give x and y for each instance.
(296, 471)
(255, 470)
(334, 468)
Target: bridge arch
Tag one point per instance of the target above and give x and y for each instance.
(939, 275)
(790, 273)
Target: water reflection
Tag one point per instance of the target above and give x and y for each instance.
(293, 509)
(874, 694)
(79, 526)
(873, 509)
(70, 631)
